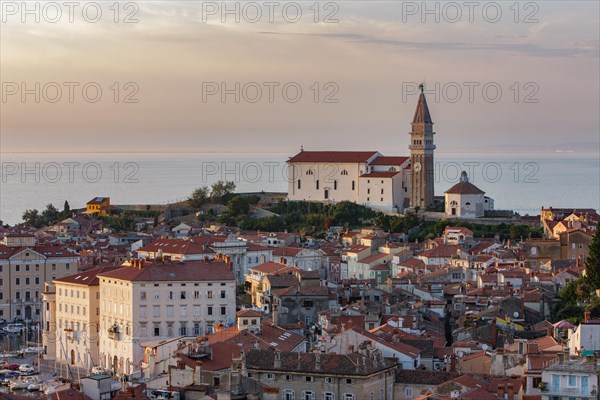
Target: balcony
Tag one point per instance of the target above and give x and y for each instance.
(570, 392)
(113, 332)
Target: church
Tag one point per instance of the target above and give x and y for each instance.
(369, 178)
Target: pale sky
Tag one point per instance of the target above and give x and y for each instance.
(372, 52)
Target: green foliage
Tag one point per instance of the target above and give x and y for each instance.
(592, 262)
(238, 205)
(49, 216)
(120, 223)
(199, 197)
(221, 189)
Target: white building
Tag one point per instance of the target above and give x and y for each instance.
(575, 379)
(466, 200)
(586, 336)
(363, 177)
(70, 331)
(145, 302)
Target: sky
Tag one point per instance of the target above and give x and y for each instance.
(168, 70)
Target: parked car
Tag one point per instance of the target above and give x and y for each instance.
(23, 367)
(13, 367)
(98, 370)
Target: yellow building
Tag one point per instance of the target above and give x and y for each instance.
(99, 206)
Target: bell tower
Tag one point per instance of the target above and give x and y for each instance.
(421, 154)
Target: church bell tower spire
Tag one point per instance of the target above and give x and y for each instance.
(421, 153)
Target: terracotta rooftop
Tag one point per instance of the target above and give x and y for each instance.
(333, 156)
(180, 272)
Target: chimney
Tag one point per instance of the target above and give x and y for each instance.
(198, 373)
(511, 391)
(561, 357)
(587, 316)
(262, 259)
(277, 363)
(532, 348)
(131, 392)
(274, 314)
(317, 361)
(501, 390)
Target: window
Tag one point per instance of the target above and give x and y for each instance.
(310, 172)
(222, 294)
(197, 329)
(353, 185)
(17, 281)
(572, 380)
(157, 331)
(299, 184)
(328, 396)
(196, 311)
(209, 310)
(143, 296)
(271, 376)
(328, 380)
(317, 183)
(27, 281)
(183, 311)
(169, 311)
(348, 396)
(288, 394)
(308, 395)
(334, 185)
(344, 172)
(308, 379)
(348, 381)
(183, 295)
(223, 310)
(17, 268)
(209, 294)
(156, 295)
(308, 304)
(183, 330)
(196, 295)
(156, 311)
(170, 295)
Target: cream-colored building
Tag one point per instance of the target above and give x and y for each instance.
(466, 200)
(72, 312)
(145, 302)
(24, 268)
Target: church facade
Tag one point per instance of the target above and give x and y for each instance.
(368, 177)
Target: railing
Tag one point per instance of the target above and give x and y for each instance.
(565, 391)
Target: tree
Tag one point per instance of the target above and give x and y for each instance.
(33, 218)
(592, 262)
(238, 205)
(220, 189)
(50, 214)
(198, 197)
(518, 232)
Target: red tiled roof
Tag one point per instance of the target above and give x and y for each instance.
(274, 268)
(183, 271)
(87, 278)
(464, 188)
(333, 156)
(389, 160)
(380, 174)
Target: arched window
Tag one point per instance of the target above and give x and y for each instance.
(453, 203)
(353, 184)
(344, 172)
(392, 169)
(317, 184)
(310, 172)
(299, 185)
(467, 204)
(334, 185)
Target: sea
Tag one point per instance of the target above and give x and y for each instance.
(33, 180)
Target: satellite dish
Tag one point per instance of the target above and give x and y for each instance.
(460, 353)
(516, 314)
(484, 347)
